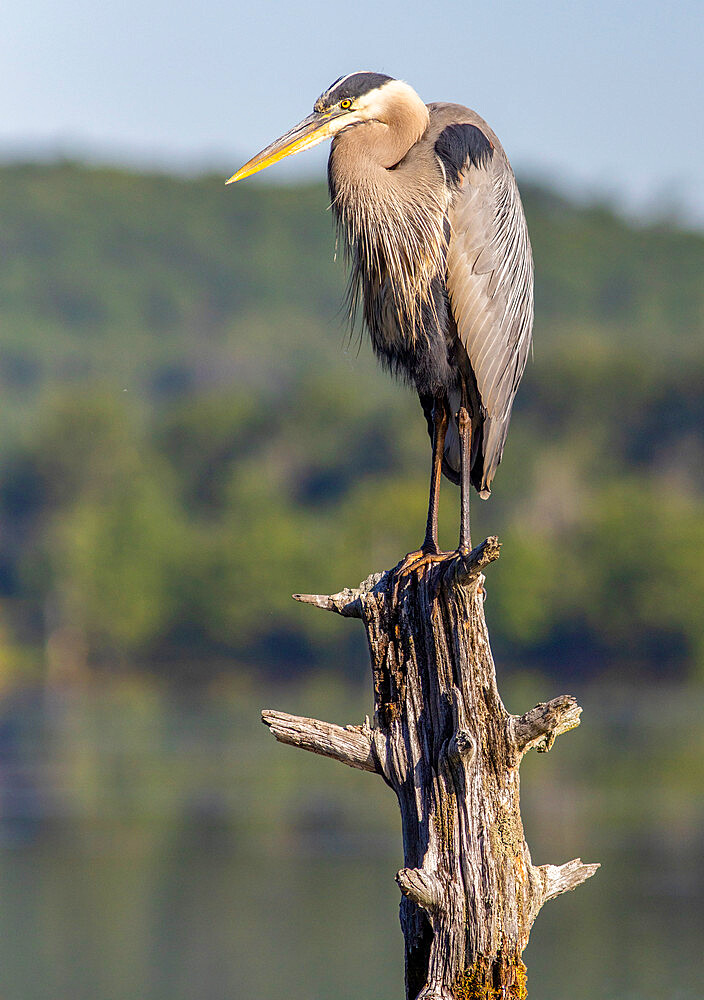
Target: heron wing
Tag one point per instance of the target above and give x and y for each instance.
(489, 279)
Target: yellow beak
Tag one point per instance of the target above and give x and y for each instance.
(312, 130)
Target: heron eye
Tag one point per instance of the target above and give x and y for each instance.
(346, 103)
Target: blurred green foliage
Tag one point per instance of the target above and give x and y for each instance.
(191, 434)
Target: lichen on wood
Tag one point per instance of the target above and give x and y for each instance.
(497, 980)
(442, 739)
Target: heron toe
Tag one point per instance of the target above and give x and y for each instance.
(418, 562)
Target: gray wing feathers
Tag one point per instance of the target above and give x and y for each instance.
(490, 282)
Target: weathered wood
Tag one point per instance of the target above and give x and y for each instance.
(562, 878)
(539, 727)
(442, 739)
(349, 744)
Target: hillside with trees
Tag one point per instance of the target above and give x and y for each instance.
(191, 433)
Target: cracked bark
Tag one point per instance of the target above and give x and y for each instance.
(442, 739)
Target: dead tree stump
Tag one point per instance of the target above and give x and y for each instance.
(444, 742)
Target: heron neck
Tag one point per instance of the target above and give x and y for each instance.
(367, 151)
(387, 215)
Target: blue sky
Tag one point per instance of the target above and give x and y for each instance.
(601, 97)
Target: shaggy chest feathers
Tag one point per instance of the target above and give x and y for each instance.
(395, 246)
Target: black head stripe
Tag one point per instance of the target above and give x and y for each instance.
(459, 145)
(352, 86)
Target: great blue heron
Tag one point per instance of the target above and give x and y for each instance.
(432, 221)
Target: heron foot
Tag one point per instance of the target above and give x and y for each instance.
(418, 562)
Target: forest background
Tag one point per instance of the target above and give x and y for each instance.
(192, 432)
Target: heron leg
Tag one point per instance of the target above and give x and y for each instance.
(464, 423)
(440, 421)
(429, 552)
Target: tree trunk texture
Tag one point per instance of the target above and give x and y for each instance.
(442, 739)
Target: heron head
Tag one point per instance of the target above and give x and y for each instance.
(351, 100)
